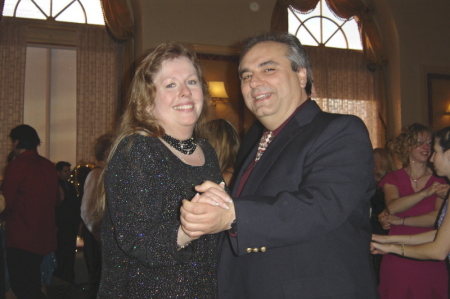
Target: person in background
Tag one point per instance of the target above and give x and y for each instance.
(383, 163)
(299, 225)
(224, 138)
(91, 227)
(412, 201)
(433, 244)
(155, 160)
(30, 188)
(68, 222)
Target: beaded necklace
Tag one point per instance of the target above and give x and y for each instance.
(187, 146)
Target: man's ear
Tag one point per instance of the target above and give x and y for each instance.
(302, 76)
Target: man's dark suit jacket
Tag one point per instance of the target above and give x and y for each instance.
(303, 227)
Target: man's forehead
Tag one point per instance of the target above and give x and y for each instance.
(263, 52)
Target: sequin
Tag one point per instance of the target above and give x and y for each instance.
(145, 187)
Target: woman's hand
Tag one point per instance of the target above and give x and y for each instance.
(377, 248)
(380, 238)
(213, 194)
(442, 192)
(438, 189)
(383, 219)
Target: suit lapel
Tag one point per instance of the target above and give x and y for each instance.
(293, 128)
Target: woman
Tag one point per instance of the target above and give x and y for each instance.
(431, 245)
(413, 206)
(154, 163)
(225, 140)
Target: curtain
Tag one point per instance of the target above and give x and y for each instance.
(344, 85)
(13, 45)
(119, 22)
(99, 71)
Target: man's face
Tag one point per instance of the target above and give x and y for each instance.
(271, 89)
(15, 149)
(64, 174)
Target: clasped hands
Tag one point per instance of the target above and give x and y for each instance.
(386, 219)
(210, 211)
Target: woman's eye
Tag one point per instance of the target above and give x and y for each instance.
(170, 85)
(193, 82)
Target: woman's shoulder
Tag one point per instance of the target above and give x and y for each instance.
(392, 177)
(435, 178)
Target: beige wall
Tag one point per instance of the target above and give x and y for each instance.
(416, 38)
(209, 22)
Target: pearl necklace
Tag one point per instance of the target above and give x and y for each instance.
(187, 146)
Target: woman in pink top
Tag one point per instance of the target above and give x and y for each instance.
(413, 204)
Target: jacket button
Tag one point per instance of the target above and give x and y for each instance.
(263, 249)
(249, 250)
(255, 249)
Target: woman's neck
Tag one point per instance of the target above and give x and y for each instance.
(416, 169)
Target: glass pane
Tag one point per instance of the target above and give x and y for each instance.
(73, 13)
(306, 38)
(27, 9)
(329, 28)
(59, 5)
(354, 39)
(44, 6)
(337, 41)
(313, 26)
(326, 12)
(94, 11)
(8, 8)
(293, 22)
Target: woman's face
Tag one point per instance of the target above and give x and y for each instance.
(179, 96)
(421, 151)
(440, 160)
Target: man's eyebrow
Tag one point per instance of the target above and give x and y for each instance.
(262, 64)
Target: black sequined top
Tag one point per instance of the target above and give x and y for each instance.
(144, 188)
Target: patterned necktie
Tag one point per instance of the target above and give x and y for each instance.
(266, 139)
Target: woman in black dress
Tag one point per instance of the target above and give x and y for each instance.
(154, 164)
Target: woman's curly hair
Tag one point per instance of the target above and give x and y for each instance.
(406, 140)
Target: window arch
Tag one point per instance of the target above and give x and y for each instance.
(75, 11)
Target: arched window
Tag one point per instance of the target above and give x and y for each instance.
(343, 83)
(321, 27)
(75, 11)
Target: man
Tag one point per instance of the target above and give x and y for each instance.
(30, 187)
(299, 226)
(68, 222)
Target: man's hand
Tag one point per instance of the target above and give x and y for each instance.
(198, 218)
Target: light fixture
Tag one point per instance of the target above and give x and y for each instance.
(447, 112)
(217, 92)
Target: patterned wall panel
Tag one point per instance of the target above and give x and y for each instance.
(98, 81)
(13, 42)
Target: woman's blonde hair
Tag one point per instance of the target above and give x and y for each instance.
(387, 163)
(224, 138)
(406, 140)
(142, 92)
